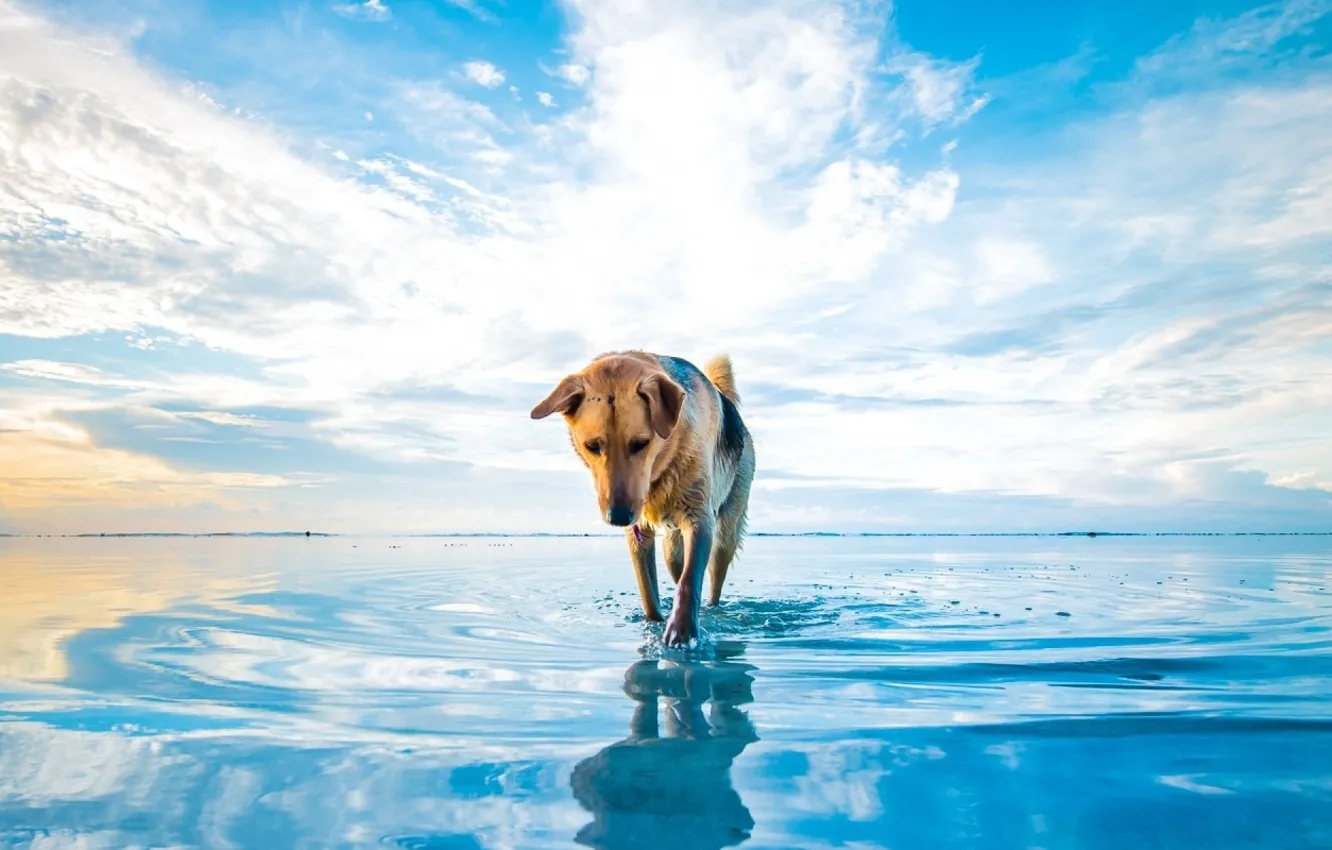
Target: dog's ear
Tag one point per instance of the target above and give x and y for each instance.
(665, 399)
(565, 398)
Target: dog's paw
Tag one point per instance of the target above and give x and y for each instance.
(680, 631)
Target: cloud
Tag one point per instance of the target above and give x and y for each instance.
(75, 373)
(474, 7)
(1071, 321)
(545, 98)
(1214, 45)
(483, 73)
(370, 10)
(574, 73)
(1007, 267)
(74, 474)
(939, 92)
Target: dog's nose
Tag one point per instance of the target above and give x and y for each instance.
(620, 515)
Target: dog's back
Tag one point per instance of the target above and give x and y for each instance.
(733, 471)
(712, 407)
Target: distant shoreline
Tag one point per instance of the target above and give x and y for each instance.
(767, 534)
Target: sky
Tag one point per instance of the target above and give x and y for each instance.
(980, 267)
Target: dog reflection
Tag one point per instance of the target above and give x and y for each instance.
(652, 789)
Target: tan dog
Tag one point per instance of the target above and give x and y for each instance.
(668, 450)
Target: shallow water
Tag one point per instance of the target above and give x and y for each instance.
(907, 693)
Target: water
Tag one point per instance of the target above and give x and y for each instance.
(919, 693)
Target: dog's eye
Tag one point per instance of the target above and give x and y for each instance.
(636, 446)
(593, 446)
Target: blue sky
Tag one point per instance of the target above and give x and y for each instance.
(1023, 266)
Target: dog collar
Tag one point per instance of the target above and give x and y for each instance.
(638, 533)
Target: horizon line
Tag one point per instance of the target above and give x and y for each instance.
(608, 535)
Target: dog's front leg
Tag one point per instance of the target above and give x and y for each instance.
(683, 626)
(643, 550)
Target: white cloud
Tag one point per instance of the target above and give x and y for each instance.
(574, 73)
(1212, 45)
(1304, 481)
(939, 92)
(484, 74)
(545, 98)
(474, 7)
(370, 10)
(75, 373)
(219, 418)
(1007, 267)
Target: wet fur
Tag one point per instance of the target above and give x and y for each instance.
(691, 484)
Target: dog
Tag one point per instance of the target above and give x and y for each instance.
(668, 451)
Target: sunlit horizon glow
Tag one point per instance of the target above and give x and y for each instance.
(978, 269)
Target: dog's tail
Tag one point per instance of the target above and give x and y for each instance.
(718, 370)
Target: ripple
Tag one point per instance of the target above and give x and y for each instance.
(846, 691)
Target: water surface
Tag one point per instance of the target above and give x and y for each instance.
(854, 693)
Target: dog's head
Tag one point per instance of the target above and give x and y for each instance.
(621, 412)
